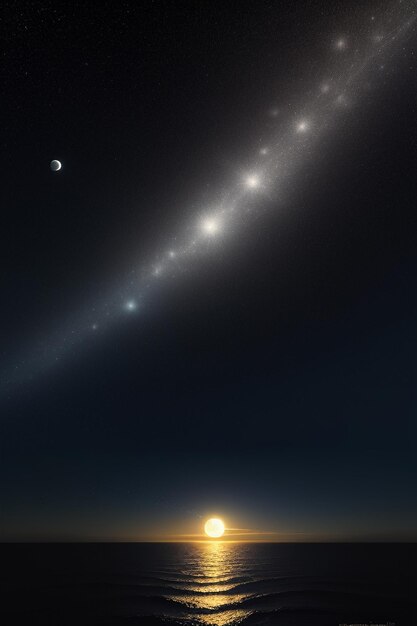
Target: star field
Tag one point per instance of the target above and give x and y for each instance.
(208, 311)
(356, 65)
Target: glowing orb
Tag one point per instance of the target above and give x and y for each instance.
(341, 44)
(214, 528)
(252, 181)
(302, 126)
(210, 226)
(131, 305)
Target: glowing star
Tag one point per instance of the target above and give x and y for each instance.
(210, 226)
(131, 305)
(263, 151)
(341, 44)
(252, 181)
(325, 88)
(214, 528)
(302, 126)
(172, 254)
(94, 327)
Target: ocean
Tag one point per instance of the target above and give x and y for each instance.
(206, 584)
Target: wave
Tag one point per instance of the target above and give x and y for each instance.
(308, 599)
(345, 585)
(304, 616)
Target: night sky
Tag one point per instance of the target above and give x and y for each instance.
(267, 373)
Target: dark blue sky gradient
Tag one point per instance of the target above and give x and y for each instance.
(274, 383)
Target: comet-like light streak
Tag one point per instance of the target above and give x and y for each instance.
(279, 161)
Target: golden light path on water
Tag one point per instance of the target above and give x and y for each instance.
(211, 566)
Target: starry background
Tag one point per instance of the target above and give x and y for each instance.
(274, 382)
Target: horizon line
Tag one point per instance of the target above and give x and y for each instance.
(207, 541)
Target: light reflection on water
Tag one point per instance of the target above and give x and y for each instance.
(209, 566)
(222, 584)
(234, 616)
(212, 584)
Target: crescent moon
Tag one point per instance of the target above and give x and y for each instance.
(55, 165)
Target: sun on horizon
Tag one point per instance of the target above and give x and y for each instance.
(214, 528)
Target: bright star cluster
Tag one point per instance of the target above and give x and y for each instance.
(210, 226)
(355, 61)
